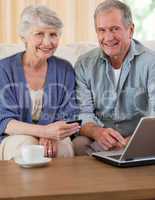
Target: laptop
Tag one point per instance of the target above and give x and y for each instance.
(140, 149)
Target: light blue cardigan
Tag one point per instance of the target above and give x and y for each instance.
(59, 96)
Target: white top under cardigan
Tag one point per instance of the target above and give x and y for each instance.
(37, 103)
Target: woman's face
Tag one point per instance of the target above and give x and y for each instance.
(42, 42)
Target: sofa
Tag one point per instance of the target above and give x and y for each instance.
(70, 52)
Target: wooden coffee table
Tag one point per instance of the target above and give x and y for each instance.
(79, 178)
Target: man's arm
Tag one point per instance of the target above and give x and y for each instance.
(92, 127)
(84, 95)
(151, 90)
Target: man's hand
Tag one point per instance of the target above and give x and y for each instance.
(109, 139)
(50, 147)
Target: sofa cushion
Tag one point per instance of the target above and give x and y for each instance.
(10, 49)
(72, 51)
(69, 52)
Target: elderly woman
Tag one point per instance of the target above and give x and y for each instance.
(37, 90)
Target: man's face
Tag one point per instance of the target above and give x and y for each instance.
(113, 36)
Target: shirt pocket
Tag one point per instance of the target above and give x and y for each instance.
(134, 100)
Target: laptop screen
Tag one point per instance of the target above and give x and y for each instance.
(141, 143)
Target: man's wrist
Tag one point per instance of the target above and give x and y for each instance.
(96, 132)
(91, 130)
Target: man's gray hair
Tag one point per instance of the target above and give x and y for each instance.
(38, 15)
(110, 4)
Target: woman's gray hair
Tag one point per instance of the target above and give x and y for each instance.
(110, 4)
(38, 15)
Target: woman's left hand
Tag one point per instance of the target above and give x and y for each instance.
(50, 147)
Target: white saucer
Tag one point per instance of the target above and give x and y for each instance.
(38, 163)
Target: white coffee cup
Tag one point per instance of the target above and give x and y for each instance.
(32, 153)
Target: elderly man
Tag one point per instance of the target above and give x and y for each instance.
(115, 83)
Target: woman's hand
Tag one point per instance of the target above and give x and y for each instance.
(50, 147)
(60, 129)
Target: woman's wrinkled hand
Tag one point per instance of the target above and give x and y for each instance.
(50, 147)
(60, 129)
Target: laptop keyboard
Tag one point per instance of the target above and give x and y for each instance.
(111, 153)
(117, 157)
